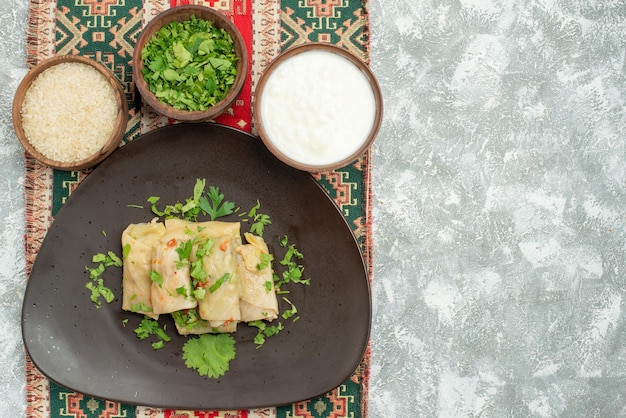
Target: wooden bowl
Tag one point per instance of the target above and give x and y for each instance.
(180, 14)
(114, 139)
(316, 78)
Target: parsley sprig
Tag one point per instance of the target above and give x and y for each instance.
(294, 272)
(209, 203)
(265, 331)
(189, 318)
(210, 354)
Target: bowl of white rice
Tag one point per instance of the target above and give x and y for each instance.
(70, 112)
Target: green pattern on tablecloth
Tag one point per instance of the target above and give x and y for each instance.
(67, 403)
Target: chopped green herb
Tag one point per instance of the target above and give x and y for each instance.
(199, 293)
(184, 251)
(191, 209)
(278, 290)
(252, 211)
(197, 272)
(190, 65)
(109, 259)
(215, 206)
(292, 251)
(273, 329)
(294, 271)
(204, 248)
(95, 273)
(198, 189)
(153, 200)
(294, 274)
(260, 221)
(156, 278)
(259, 339)
(264, 331)
(189, 318)
(98, 289)
(115, 260)
(189, 206)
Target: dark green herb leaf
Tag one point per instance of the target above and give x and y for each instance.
(215, 206)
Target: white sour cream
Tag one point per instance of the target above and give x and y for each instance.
(317, 107)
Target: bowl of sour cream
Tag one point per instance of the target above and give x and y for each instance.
(317, 107)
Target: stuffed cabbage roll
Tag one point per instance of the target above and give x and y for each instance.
(258, 296)
(138, 240)
(218, 303)
(189, 322)
(171, 288)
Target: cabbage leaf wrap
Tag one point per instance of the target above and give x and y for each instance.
(138, 241)
(257, 292)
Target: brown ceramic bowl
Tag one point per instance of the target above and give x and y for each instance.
(180, 14)
(274, 99)
(120, 122)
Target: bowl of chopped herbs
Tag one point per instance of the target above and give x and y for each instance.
(190, 63)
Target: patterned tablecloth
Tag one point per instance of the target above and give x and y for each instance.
(106, 30)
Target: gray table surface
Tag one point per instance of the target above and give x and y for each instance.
(499, 209)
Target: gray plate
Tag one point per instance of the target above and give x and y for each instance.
(90, 351)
